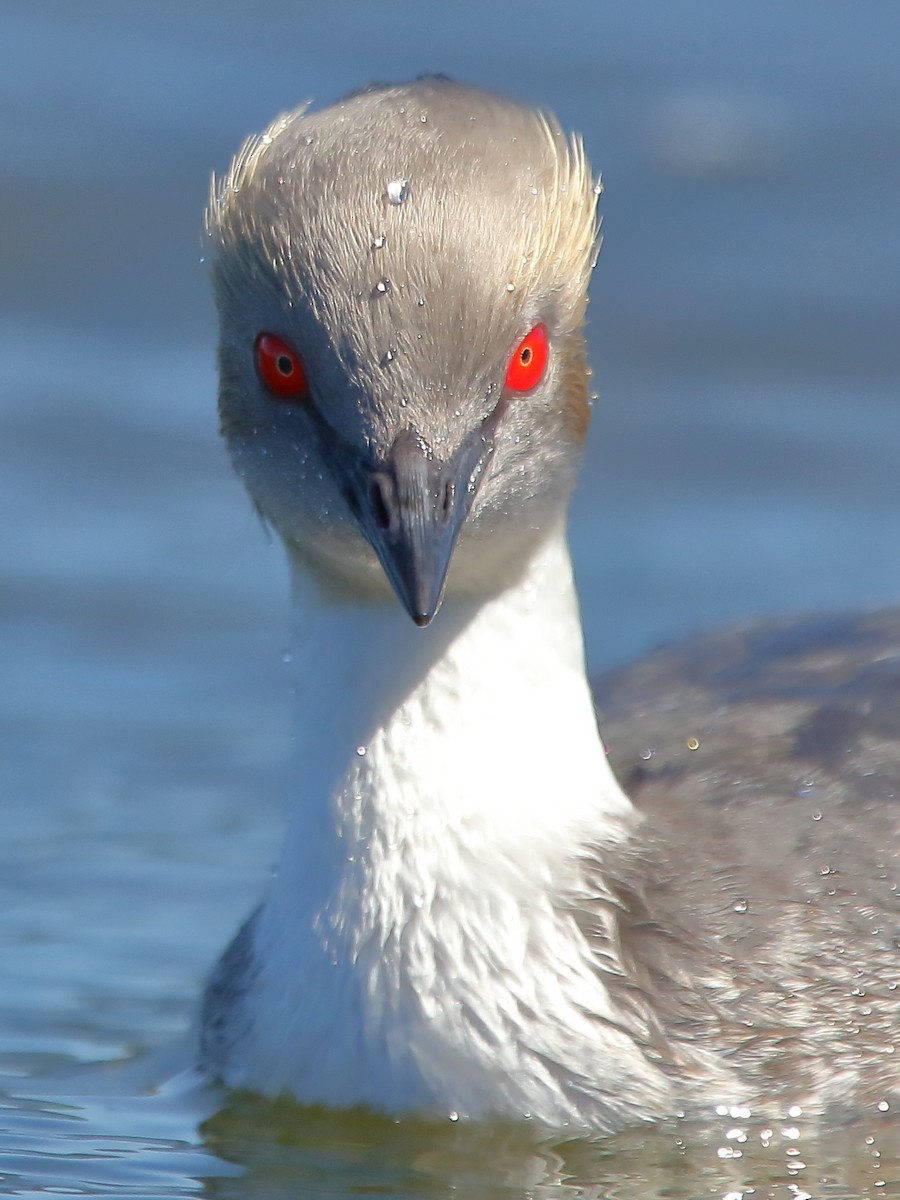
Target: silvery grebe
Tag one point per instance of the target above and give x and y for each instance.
(469, 915)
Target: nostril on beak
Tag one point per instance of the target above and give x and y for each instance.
(447, 494)
(381, 492)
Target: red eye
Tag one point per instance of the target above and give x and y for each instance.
(529, 361)
(280, 368)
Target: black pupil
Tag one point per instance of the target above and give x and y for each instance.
(525, 356)
(284, 364)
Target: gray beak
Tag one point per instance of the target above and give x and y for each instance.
(411, 508)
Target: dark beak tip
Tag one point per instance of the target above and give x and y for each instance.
(422, 603)
(424, 613)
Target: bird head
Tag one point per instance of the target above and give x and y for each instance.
(401, 282)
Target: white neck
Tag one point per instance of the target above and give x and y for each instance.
(484, 720)
(446, 779)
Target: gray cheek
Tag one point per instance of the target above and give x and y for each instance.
(285, 480)
(532, 471)
(296, 495)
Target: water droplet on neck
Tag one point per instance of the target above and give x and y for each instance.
(383, 286)
(741, 905)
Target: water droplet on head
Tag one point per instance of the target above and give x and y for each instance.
(383, 286)
(510, 287)
(741, 905)
(693, 743)
(378, 242)
(398, 191)
(361, 751)
(647, 754)
(389, 355)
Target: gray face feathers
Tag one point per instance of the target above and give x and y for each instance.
(415, 260)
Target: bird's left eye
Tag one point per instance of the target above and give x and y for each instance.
(280, 369)
(529, 361)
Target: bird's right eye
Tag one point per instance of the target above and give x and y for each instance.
(281, 369)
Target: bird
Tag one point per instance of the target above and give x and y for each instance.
(468, 915)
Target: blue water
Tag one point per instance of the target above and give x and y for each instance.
(743, 461)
